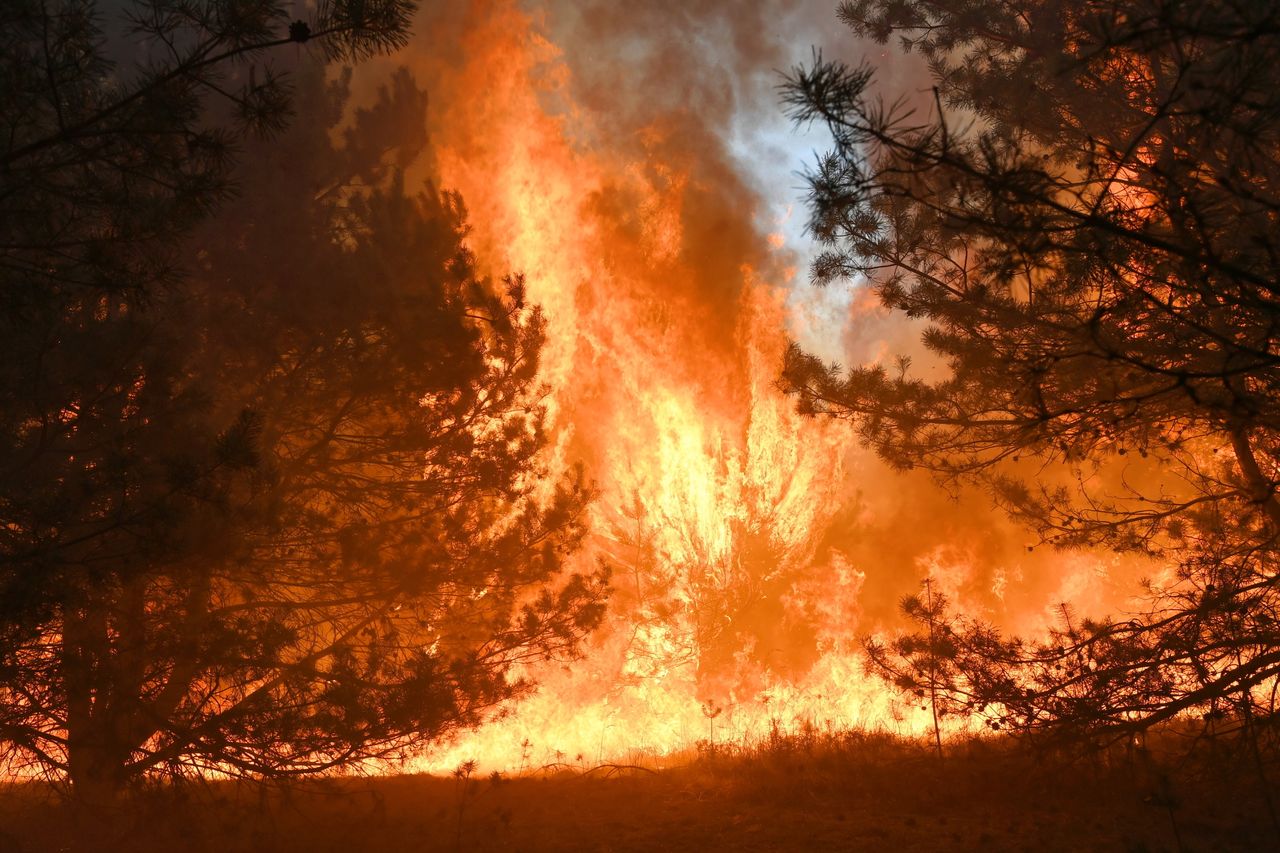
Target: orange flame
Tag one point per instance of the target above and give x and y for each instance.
(713, 492)
(735, 610)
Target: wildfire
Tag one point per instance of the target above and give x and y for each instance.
(735, 612)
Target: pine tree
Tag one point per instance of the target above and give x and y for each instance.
(1085, 221)
(103, 165)
(271, 490)
(924, 664)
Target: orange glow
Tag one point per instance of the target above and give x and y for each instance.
(737, 607)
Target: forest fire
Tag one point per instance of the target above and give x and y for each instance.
(734, 611)
(739, 532)
(726, 615)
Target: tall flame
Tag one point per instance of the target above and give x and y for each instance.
(735, 607)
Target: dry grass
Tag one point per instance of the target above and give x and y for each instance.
(799, 793)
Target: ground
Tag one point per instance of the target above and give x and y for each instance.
(856, 794)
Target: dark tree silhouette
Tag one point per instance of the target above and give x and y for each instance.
(280, 508)
(101, 165)
(1084, 219)
(925, 664)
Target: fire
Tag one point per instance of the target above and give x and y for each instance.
(735, 610)
(713, 492)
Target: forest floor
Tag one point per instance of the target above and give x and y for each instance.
(856, 793)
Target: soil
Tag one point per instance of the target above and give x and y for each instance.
(790, 797)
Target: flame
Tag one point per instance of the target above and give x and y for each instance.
(712, 491)
(736, 610)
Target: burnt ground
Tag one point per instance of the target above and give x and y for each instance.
(859, 793)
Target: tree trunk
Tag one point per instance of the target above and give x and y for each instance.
(93, 766)
(1261, 488)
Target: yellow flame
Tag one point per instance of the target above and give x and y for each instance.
(713, 491)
